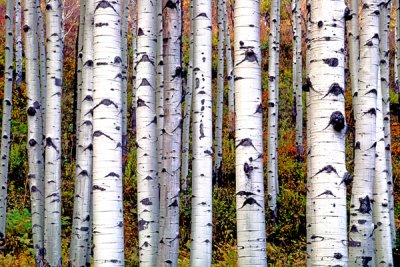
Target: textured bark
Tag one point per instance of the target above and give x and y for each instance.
(201, 228)
(82, 217)
(134, 49)
(273, 73)
(108, 222)
(42, 63)
(188, 110)
(328, 177)
(277, 71)
(397, 71)
(170, 174)
(18, 46)
(6, 118)
(297, 75)
(124, 88)
(35, 130)
(79, 65)
(248, 134)
(354, 48)
(383, 238)
(220, 92)
(52, 209)
(361, 247)
(229, 71)
(146, 135)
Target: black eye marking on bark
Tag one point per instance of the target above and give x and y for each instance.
(371, 111)
(327, 192)
(337, 256)
(337, 120)
(32, 142)
(327, 169)
(170, 4)
(88, 98)
(49, 143)
(144, 82)
(244, 193)
(320, 238)
(84, 173)
(57, 82)
(331, 62)
(347, 179)
(347, 15)
(117, 60)
(249, 56)
(26, 28)
(96, 187)
(201, 131)
(179, 126)
(100, 133)
(178, 73)
(358, 145)
(89, 147)
(308, 85)
(335, 89)
(208, 152)
(365, 260)
(104, 4)
(106, 102)
(146, 201)
(354, 244)
(112, 174)
(141, 103)
(260, 108)
(8, 103)
(145, 58)
(365, 205)
(34, 189)
(48, 7)
(31, 111)
(174, 204)
(142, 224)
(202, 15)
(247, 170)
(246, 142)
(101, 24)
(153, 121)
(353, 229)
(320, 24)
(250, 201)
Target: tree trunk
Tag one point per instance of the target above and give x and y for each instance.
(18, 47)
(35, 130)
(273, 73)
(188, 110)
(220, 93)
(249, 136)
(42, 63)
(201, 228)
(6, 119)
(134, 49)
(146, 135)
(354, 49)
(52, 227)
(361, 248)
(108, 221)
(381, 207)
(170, 174)
(328, 177)
(81, 227)
(229, 72)
(124, 89)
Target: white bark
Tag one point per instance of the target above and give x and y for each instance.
(82, 219)
(124, 88)
(146, 135)
(35, 130)
(18, 46)
(273, 62)
(277, 71)
(327, 134)
(297, 74)
(42, 63)
(134, 49)
(383, 238)
(229, 70)
(170, 174)
(361, 245)
(220, 92)
(108, 222)
(79, 64)
(52, 209)
(201, 228)
(6, 118)
(188, 109)
(249, 143)
(397, 71)
(354, 49)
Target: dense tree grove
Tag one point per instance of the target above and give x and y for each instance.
(200, 133)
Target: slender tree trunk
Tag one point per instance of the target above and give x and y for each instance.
(18, 47)
(354, 49)
(170, 174)
(52, 223)
(188, 109)
(124, 89)
(6, 119)
(108, 221)
(249, 136)
(397, 71)
(384, 26)
(146, 135)
(297, 75)
(35, 130)
(328, 177)
(361, 247)
(229, 71)
(220, 92)
(81, 227)
(134, 49)
(160, 87)
(383, 238)
(277, 71)
(201, 230)
(42, 63)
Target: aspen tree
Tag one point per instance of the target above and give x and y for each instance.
(229, 70)
(82, 216)
(134, 49)
(18, 46)
(361, 245)
(397, 71)
(124, 53)
(273, 73)
(6, 118)
(383, 238)
(42, 63)
(248, 136)
(79, 64)
(328, 177)
(220, 92)
(354, 48)
(35, 130)
(52, 208)
(146, 134)
(201, 228)
(170, 174)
